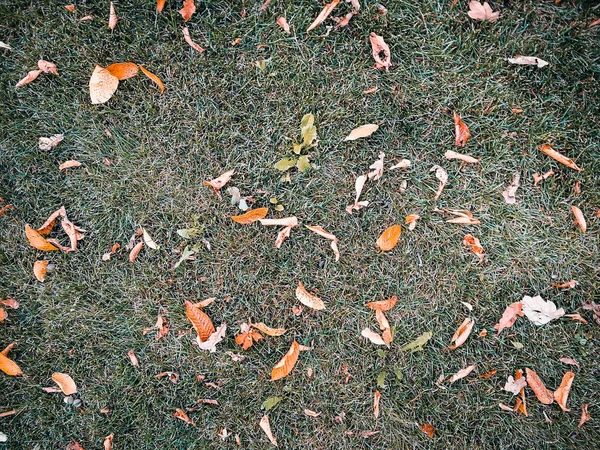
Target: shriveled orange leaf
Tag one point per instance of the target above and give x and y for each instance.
(383, 305)
(283, 23)
(306, 298)
(287, 363)
(188, 39)
(411, 221)
(40, 268)
(70, 8)
(37, 240)
(65, 383)
(429, 430)
(247, 336)
(362, 131)
(268, 330)
(251, 216)
(201, 322)
(461, 131)
(154, 78)
(567, 285)
(47, 67)
(181, 415)
(462, 333)
(69, 164)
(462, 373)
(266, 427)
(133, 358)
(112, 17)
(107, 255)
(189, 8)
(160, 5)
(579, 219)
(381, 52)
(376, 400)
(8, 366)
(3, 315)
(536, 384)
(123, 70)
(108, 441)
(489, 374)
(509, 316)
(559, 157)
(10, 302)
(103, 85)
(537, 178)
(465, 158)
(473, 243)
(585, 415)
(31, 75)
(562, 393)
(325, 12)
(521, 405)
(389, 238)
(577, 317)
(135, 251)
(220, 181)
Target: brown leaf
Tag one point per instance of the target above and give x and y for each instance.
(247, 336)
(562, 393)
(478, 11)
(188, 39)
(3, 315)
(160, 4)
(173, 376)
(112, 17)
(70, 8)
(579, 219)
(32, 75)
(311, 413)
(381, 52)
(37, 241)
(510, 192)
(8, 413)
(180, 414)
(133, 358)
(428, 430)
(123, 70)
(251, 216)
(462, 333)
(308, 299)
(570, 361)
(577, 188)
(8, 366)
(268, 330)
(201, 322)
(567, 285)
(334, 240)
(69, 164)
(462, 373)
(325, 12)
(283, 23)
(538, 178)
(577, 317)
(103, 85)
(287, 363)
(559, 157)
(585, 415)
(383, 305)
(462, 217)
(40, 268)
(466, 158)
(342, 22)
(65, 383)
(389, 238)
(112, 251)
(489, 374)
(108, 441)
(220, 181)
(154, 78)
(461, 131)
(509, 316)
(135, 251)
(47, 67)
(376, 400)
(189, 8)
(473, 243)
(266, 427)
(384, 326)
(543, 394)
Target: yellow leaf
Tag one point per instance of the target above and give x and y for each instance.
(389, 238)
(287, 363)
(308, 299)
(65, 383)
(362, 131)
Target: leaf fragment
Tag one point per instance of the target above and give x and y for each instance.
(509, 316)
(251, 215)
(308, 299)
(69, 164)
(462, 373)
(65, 383)
(537, 178)
(567, 285)
(47, 67)
(155, 79)
(389, 238)
(112, 17)
(528, 61)
(188, 39)
(103, 85)
(462, 217)
(514, 386)
(211, 343)
(47, 144)
(376, 401)
(334, 240)
(311, 413)
(181, 415)
(135, 251)
(11, 303)
(559, 157)
(442, 177)
(536, 384)
(31, 75)
(462, 333)
(383, 305)
(266, 427)
(381, 52)
(189, 8)
(287, 363)
(282, 236)
(133, 358)
(40, 268)
(579, 218)
(377, 167)
(362, 132)
(465, 158)
(461, 131)
(428, 429)
(220, 181)
(585, 415)
(123, 70)
(325, 12)
(160, 4)
(108, 441)
(473, 243)
(510, 192)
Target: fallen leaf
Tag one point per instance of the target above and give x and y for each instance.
(9, 347)
(473, 243)
(342, 22)
(84, 18)
(442, 177)
(594, 23)
(189, 8)
(403, 164)
(537, 178)
(287, 363)
(188, 39)
(308, 299)
(310, 413)
(567, 285)
(69, 164)
(577, 317)
(358, 186)
(285, 222)
(539, 389)
(462, 373)
(562, 393)
(384, 326)
(154, 79)
(47, 144)
(478, 11)
(370, 90)
(577, 188)
(47, 67)
(297, 310)
(268, 330)
(428, 430)
(282, 236)
(220, 181)
(266, 427)
(362, 131)
(251, 216)
(172, 376)
(381, 52)
(334, 240)
(540, 312)
(509, 316)
(8, 413)
(37, 240)
(462, 333)
(466, 158)
(70, 8)
(383, 305)
(31, 75)
(559, 157)
(65, 383)
(373, 337)
(585, 416)
(5, 45)
(211, 343)
(489, 374)
(247, 336)
(514, 386)
(283, 23)
(235, 357)
(377, 167)
(133, 358)
(40, 268)
(8, 366)
(181, 415)
(462, 217)
(417, 344)
(528, 61)
(389, 238)
(160, 4)
(103, 85)
(461, 131)
(509, 193)
(376, 400)
(201, 322)
(114, 248)
(108, 441)
(579, 219)
(325, 12)
(270, 403)
(112, 17)
(505, 407)
(123, 70)
(135, 251)
(571, 361)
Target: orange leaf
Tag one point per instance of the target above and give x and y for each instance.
(428, 430)
(40, 268)
(9, 367)
(283, 23)
(376, 400)
(462, 333)
(123, 70)
(461, 131)
(37, 241)
(69, 164)
(577, 317)
(70, 8)
(383, 305)
(287, 363)
(251, 216)
(112, 17)
(411, 221)
(562, 393)
(473, 243)
(306, 298)
(579, 219)
(543, 394)
(65, 383)
(10, 302)
(135, 251)
(108, 441)
(201, 322)
(489, 374)
(133, 358)
(247, 337)
(568, 285)
(188, 10)
(509, 316)
(521, 404)
(188, 39)
(3, 315)
(160, 4)
(268, 330)
(389, 238)
(180, 414)
(32, 75)
(585, 415)
(381, 52)
(47, 67)
(327, 9)
(154, 78)
(462, 373)
(559, 157)
(220, 181)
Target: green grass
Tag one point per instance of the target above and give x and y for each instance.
(219, 111)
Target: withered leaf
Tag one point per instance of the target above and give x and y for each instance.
(188, 39)
(133, 358)
(189, 8)
(362, 131)
(266, 427)
(567, 285)
(579, 218)
(11, 303)
(462, 333)
(40, 268)
(418, 343)
(287, 363)
(112, 17)
(376, 401)
(509, 316)
(251, 216)
(201, 322)
(559, 157)
(220, 181)
(461, 131)
(69, 164)
(473, 243)
(358, 186)
(383, 305)
(585, 415)
(31, 75)
(268, 330)
(108, 441)
(37, 240)
(389, 238)
(247, 336)
(325, 12)
(562, 393)
(211, 343)
(8, 366)
(123, 70)
(429, 430)
(47, 144)
(442, 176)
(311, 413)
(181, 415)
(465, 158)
(374, 337)
(381, 52)
(528, 61)
(543, 394)
(47, 67)
(306, 298)
(283, 23)
(462, 373)
(65, 382)
(135, 251)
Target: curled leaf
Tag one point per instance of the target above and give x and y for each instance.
(377, 167)
(461, 131)
(528, 61)
(509, 316)
(65, 383)
(514, 386)
(251, 216)
(220, 181)
(579, 218)
(376, 401)
(462, 373)
(32, 75)
(374, 337)
(325, 12)
(47, 67)
(123, 70)
(287, 363)
(135, 251)
(40, 268)
(37, 240)
(543, 394)
(154, 78)
(306, 298)
(362, 131)
(181, 415)
(11, 303)
(559, 157)
(334, 240)
(585, 415)
(266, 427)
(189, 8)
(282, 236)
(112, 17)
(462, 217)
(411, 221)
(465, 158)
(47, 144)
(462, 333)
(562, 393)
(383, 305)
(428, 430)
(69, 164)
(188, 39)
(283, 23)
(537, 178)
(381, 52)
(442, 177)
(510, 191)
(359, 184)
(389, 238)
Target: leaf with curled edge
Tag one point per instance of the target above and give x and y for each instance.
(287, 363)
(201, 322)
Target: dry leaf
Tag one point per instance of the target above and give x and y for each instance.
(133, 358)
(201, 322)
(310, 413)
(180, 414)
(220, 181)
(594, 23)
(577, 188)
(381, 52)
(521, 404)
(8, 366)
(462, 373)
(247, 336)
(297, 310)
(562, 393)
(308, 299)
(31, 75)
(154, 79)
(489, 374)
(461, 131)
(160, 4)
(466, 158)
(8, 413)
(188, 39)
(189, 8)
(37, 240)
(571, 361)
(370, 90)
(577, 317)
(282, 236)
(103, 85)
(285, 222)
(462, 333)
(428, 430)
(473, 243)
(287, 363)
(389, 238)
(135, 251)
(106, 256)
(148, 240)
(70, 8)
(377, 167)
(579, 219)
(537, 178)
(383, 305)
(65, 383)
(539, 311)
(83, 19)
(442, 177)
(509, 316)
(172, 376)
(342, 22)
(403, 164)
(123, 70)
(251, 216)
(359, 184)
(462, 217)
(47, 144)
(510, 192)
(528, 61)
(3, 315)
(211, 343)
(373, 337)
(376, 400)
(559, 157)
(585, 415)
(334, 240)
(266, 427)
(69, 164)
(11, 303)
(478, 11)
(283, 23)
(327, 9)
(108, 441)
(362, 131)
(47, 67)
(40, 268)
(537, 386)
(515, 386)
(268, 330)
(112, 17)
(568, 285)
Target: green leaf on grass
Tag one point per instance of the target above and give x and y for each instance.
(303, 163)
(418, 343)
(187, 252)
(398, 373)
(271, 402)
(188, 233)
(381, 380)
(517, 345)
(285, 164)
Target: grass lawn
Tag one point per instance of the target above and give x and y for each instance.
(219, 112)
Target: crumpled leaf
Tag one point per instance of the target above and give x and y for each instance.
(543, 394)
(429, 430)
(417, 344)
(462, 333)
(307, 299)
(374, 337)
(478, 11)
(381, 52)
(362, 131)
(282, 236)
(585, 415)
(31, 75)
(462, 217)
(251, 216)
(540, 312)
(47, 144)
(383, 305)
(562, 393)
(39, 269)
(579, 218)
(188, 39)
(247, 336)
(325, 12)
(112, 17)
(528, 61)
(135, 251)
(514, 386)
(462, 373)
(47, 67)
(103, 85)
(384, 326)
(442, 177)
(220, 181)
(108, 441)
(567, 285)
(189, 8)
(559, 157)
(461, 131)
(509, 316)
(389, 238)
(537, 178)
(210, 344)
(358, 186)
(268, 330)
(181, 415)
(283, 23)
(65, 383)
(266, 427)
(402, 164)
(377, 167)
(465, 158)
(287, 363)
(473, 243)
(510, 192)
(201, 322)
